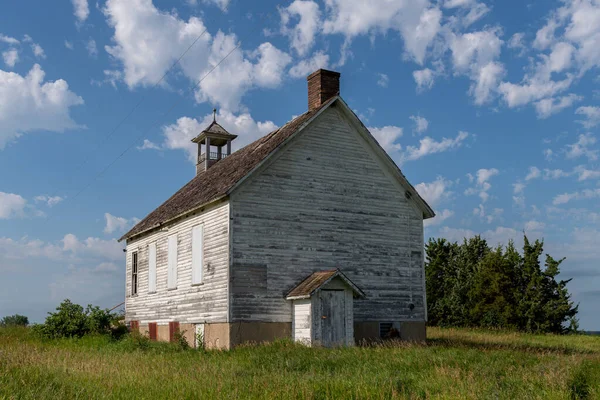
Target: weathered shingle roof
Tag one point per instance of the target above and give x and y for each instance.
(317, 279)
(221, 177)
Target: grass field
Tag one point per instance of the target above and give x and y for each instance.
(455, 363)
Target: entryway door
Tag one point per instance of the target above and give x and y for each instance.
(333, 317)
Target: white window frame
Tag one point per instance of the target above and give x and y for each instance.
(152, 267)
(134, 272)
(172, 262)
(197, 254)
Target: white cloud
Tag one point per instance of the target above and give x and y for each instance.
(417, 21)
(591, 114)
(307, 66)
(148, 145)
(548, 154)
(584, 194)
(387, 136)
(147, 42)
(50, 201)
(11, 205)
(544, 37)
(8, 39)
(585, 174)
(500, 235)
(428, 146)
(10, 57)
(178, 136)
(38, 51)
(486, 82)
(547, 107)
(531, 89)
(534, 226)
(222, 4)
(28, 104)
(302, 35)
(534, 173)
(383, 80)
(582, 147)
(69, 45)
(434, 192)
(92, 247)
(81, 10)
(91, 48)
(518, 188)
(421, 123)
(118, 224)
(439, 218)
(11, 250)
(482, 184)
(424, 79)
(516, 41)
(555, 173)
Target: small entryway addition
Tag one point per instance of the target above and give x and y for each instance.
(323, 309)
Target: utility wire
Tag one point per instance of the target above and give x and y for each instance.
(144, 132)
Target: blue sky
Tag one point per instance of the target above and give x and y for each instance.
(490, 109)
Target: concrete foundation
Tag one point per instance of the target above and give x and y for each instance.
(258, 332)
(216, 336)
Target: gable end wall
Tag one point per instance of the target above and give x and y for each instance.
(325, 202)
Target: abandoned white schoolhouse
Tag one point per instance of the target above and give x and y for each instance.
(311, 233)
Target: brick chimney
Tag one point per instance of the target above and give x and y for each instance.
(322, 86)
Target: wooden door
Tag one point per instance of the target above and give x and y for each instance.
(333, 318)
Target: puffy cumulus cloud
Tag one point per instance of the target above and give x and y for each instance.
(27, 103)
(591, 115)
(516, 41)
(11, 205)
(585, 174)
(435, 192)
(534, 173)
(302, 35)
(50, 201)
(222, 4)
(8, 39)
(485, 82)
(429, 146)
(92, 247)
(38, 51)
(549, 106)
(387, 137)
(10, 57)
(417, 21)
(534, 225)
(305, 67)
(81, 10)
(584, 194)
(118, 224)
(582, 147)
(439, 218)
(12, 250)
(424, 78)
(178, 136)
(482, 184)
(148, 41)
(383, 80)
(421, 123)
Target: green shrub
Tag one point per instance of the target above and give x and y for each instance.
(70, 320)
(14, 320)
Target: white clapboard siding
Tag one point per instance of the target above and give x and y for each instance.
(325, 202)
(302, 321)
(152, 267)
(172, 257)
(197, 253)
(188, 303)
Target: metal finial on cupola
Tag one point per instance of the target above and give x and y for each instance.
(214, 115)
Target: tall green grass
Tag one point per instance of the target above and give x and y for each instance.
(453, 364)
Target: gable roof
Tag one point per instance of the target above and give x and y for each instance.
(227, 174)
(318, 279)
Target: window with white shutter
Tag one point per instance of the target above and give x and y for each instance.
(197, 254)
(172, 272)
(152, 268)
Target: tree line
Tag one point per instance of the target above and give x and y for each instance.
(474, 285)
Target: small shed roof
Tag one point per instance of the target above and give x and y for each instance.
(316, 280)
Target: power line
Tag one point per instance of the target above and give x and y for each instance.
(137, 139)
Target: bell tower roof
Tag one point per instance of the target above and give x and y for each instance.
(218, 135)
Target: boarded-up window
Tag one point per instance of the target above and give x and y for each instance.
(247, 278)
(152, 330)
(152, 268)
(172, 273)
(173, 329)
(197, 254)
(134, 273)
